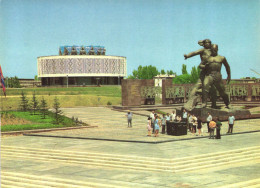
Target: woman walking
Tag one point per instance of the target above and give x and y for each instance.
(149, 126)
(218, 128)
(212, 126)
(199, 126)
(156, 126)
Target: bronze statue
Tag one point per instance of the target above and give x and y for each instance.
(99, 51)
(66, 52)
(91, 51)
(73, 51)
(197, 90)
(213, 75)
(60, 52)
(205, 85)
(104, 51)
(82, 51)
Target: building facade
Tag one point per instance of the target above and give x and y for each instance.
(81, 69)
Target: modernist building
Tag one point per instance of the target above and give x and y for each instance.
(81, 65)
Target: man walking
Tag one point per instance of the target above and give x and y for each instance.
(231, 120)
(129, 118)
(209, 118)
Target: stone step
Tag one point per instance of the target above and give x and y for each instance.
(134, 158)
(244, 184)
(147, 165)
(14, 178)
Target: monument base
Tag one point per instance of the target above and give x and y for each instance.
(222, 113)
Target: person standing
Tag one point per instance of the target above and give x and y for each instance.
(156, 126)
(218, 128)
(168, 119)
(129, 118)
(152, 120)
(163, 123)
(209, 118)
(212, 126)
(173, 116)
(190, 124)
(231, 121)
(194, 124)
(149, 128)
(184, 116)
(199, 126)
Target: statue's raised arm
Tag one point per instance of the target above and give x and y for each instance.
(198, 52)
(227, 69)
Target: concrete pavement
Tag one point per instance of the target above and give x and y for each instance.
(34, 161)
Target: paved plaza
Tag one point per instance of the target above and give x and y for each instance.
(39, 161)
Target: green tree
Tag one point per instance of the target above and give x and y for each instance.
(44, 108)
(183, 79)
(146, 72)
(195, 74)
(14, 82)
(35, 103)
(184, 69)
(163, 71)
(57, 111)
(170, 72)
(24, 102)
(186, 78)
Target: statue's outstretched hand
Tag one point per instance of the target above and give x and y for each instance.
(228, 79)
(185, 56)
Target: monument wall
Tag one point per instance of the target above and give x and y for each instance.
(131, 91)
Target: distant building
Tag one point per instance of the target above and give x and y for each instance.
(247, 80)
(29, 82)
(81, 65)
(158, 79)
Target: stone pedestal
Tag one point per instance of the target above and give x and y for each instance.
(222, 113)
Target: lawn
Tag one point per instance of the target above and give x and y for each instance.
(68, 97)
(16, 121)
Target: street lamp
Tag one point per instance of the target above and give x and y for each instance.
(67, 81)
(7, 82)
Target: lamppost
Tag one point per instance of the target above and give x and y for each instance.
(6, 82)
(67, 81)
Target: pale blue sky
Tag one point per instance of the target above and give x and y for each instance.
(146, 32)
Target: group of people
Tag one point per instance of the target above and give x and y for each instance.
(155, 121)
(214, 123)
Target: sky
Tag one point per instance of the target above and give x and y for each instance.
(146, 32)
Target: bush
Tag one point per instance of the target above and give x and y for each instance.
(109, 103)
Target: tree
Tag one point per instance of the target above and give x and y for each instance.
(195, 74)
(182, 79)
(57, 111)
(35, 103)
(44, 107)
(170, 72)
(146, 72)
(163, 71)
(186, 78)
(14, 82)
(36, 78)
(24, 102)
(184, 69)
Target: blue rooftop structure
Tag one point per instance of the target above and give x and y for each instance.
(86, 48)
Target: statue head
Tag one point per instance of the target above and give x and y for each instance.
(214, 49)
(206, 43)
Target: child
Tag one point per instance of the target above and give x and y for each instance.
(194, 124)
(163, 124)
(218, 128)
(156, 126)
(212, 126)
(149, 127)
